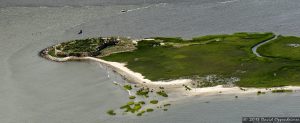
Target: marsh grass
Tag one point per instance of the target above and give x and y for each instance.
(222, 55)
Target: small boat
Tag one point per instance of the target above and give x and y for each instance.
(80, 32)
(123, 10)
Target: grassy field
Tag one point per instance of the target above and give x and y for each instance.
(213, 59)
(286, 47)
(225, 56)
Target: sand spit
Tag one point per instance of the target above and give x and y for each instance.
(172, 86)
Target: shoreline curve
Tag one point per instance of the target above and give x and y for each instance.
(174, 86)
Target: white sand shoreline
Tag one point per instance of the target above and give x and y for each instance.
(174, 85)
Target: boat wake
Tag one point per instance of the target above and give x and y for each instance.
(229, 1)
(117, 14)
(146, 7)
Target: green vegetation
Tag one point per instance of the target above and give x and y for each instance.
(143, 92)
(131, 107)
(111, 112)
(96, 47)
(130, 103)
(228, 57)
(285, 47)
(142, 102)
(209, 60)
(127, 87)
(51, 52)
(162, 93)
(132, 97)
(137, 107)
(140, 113)
(281, 91)
(149, 110)
(154, 101)
(82, 45)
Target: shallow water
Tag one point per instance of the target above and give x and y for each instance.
(35, 90)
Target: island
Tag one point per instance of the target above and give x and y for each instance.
(242, 62)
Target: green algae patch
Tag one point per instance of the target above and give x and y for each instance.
(132, 97)
(130, 103)
(127, 87)
(150, 110)
(154, 101)
(111, 112)
(165, 105)
(140, 113)
(142, 102)
(162, 93)
(143, 92)
(137, 107)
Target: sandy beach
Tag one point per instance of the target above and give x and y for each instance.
(173, 86)
(35, 90)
